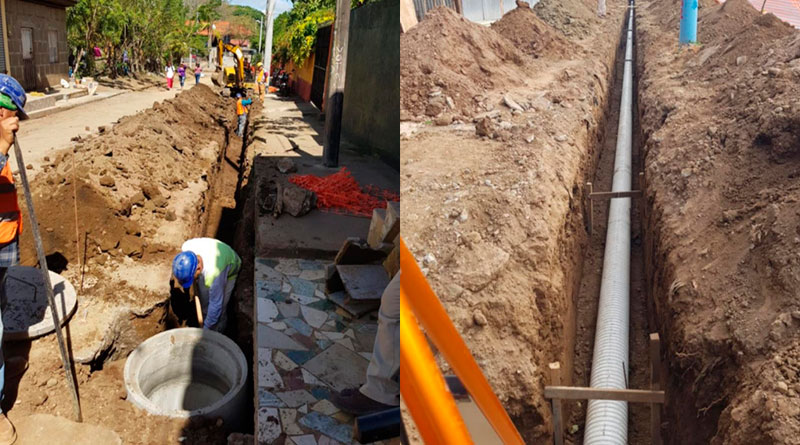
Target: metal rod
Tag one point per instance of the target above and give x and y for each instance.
(76, 405)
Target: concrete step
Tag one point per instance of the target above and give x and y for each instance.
(41, 102)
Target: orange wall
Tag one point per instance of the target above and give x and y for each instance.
(302, 77)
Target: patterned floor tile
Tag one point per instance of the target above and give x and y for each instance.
(300, 326)
(328, 426)
(314, 317)
(289, 309)
(302, 299)
(325, 407)
(310, 349)
(302, 287)
(284, 362)
(269, 426)
(339, 367)
(277, 325)
(289, 421)
(288, 267)
(313, 275)
(267, 398)
(266, 310)
(307, 439)
(310, 379)
(294, 399)
(270, 338)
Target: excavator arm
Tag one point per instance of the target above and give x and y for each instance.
(237, 71)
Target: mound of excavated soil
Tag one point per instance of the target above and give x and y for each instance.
(574, 18)
(448, 57)
(134, 181)
(722, 168)
(530, 34)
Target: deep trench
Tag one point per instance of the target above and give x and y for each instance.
(228, 218)
(585, 301)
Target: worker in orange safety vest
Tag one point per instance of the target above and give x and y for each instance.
(12, 99)
(242, 107)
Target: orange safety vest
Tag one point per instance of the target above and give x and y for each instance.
(10, 216)
(240, 109)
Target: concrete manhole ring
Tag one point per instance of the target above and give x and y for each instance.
(27, 314)
(188, 372)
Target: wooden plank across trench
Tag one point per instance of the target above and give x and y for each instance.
(584, 393)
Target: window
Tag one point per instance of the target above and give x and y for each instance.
(27, 43)
(52, 45)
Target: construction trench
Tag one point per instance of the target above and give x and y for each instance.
(496, 208)
(143, 186)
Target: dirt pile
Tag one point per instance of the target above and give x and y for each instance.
(448, 61)
(721, 134)
(574, 18)
(530, 34)
(133, 182)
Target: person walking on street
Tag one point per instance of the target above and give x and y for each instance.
(12, 101)
(242, 106)
(197, 72)
(182, 74)
(170, 75)
(212, 267)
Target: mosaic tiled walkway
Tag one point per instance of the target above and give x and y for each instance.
(305, 352)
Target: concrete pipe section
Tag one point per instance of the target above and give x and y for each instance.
(27, 314)
(188, 372)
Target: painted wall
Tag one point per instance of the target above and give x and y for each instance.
(301, 80)
(371, 114)
(42, 18)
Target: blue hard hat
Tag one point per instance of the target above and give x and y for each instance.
(238, 95)
(11, 88)
(184, 267)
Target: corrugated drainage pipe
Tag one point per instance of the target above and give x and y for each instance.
(607, 420)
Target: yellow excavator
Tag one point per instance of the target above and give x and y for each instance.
(232, 77)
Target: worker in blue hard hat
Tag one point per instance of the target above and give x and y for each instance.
(210, 267)
(12, 101)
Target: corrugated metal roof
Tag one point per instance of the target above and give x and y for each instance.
(786, 10)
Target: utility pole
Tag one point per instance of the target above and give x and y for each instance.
(268, 39)
(260, 28)
(688, 32)
(210, 52)
(335, 100)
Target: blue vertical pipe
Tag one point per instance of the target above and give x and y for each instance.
(688, 22)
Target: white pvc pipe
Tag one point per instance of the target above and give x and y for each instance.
(607, 420)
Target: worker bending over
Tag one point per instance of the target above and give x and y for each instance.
(242, 107)
(12, 99)
(212, 266)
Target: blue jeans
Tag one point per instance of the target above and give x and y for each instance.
(183, 79)
(196, 79)
(242, 124)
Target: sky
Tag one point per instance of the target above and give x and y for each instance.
(261, 5)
